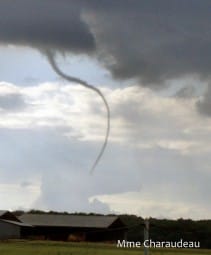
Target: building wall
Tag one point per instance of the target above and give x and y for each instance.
(9, 231)
(104, 235)
(73, 234)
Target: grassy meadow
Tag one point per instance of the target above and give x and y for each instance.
(64, 248)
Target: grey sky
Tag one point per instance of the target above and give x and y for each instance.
(152, 62)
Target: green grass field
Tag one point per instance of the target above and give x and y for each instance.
(62, 248)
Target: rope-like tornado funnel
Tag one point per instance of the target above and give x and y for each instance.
(51, 59)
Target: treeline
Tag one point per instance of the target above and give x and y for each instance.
(160, 229)
(170, 230)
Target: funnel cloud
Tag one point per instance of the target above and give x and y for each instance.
(55, 67)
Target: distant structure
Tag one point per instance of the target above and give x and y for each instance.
(73, 227)
(10, 226)
(62, 227)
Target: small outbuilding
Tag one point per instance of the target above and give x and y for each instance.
(10, 226)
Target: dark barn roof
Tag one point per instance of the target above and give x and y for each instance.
(21, 224)
(2, 212)
(58, 220)
(6, 215)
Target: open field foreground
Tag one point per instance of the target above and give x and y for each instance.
(61, 248)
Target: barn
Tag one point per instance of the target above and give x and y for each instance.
(73, 227)
(10, 226)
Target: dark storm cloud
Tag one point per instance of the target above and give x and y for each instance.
(48, 24)
(204, 104)
(186, 92)
(12, 102)
(154, 40)
(151, 41)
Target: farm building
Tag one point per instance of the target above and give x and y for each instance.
(73, 227)
(10, 226)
